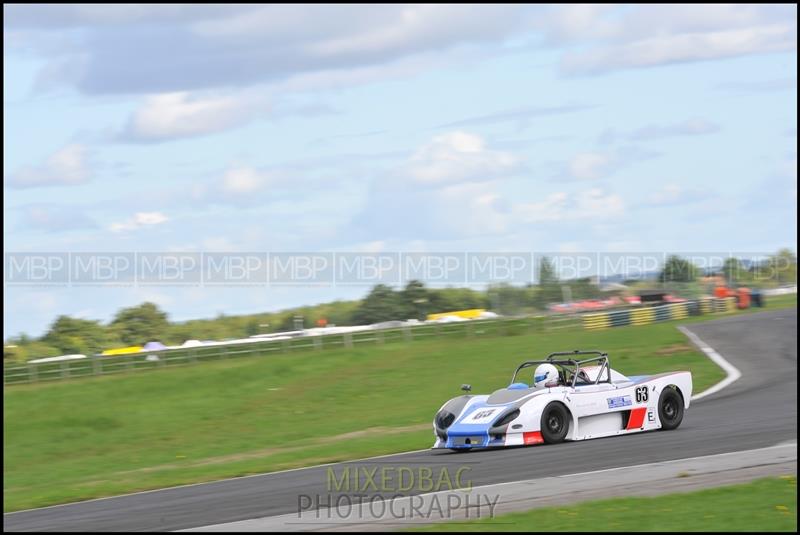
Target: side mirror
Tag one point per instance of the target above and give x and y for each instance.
(466, 388)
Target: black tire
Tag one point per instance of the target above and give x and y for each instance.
(670, 408)
(555, 423)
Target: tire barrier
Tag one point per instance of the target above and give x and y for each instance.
(646, 315)
(620, 318)
(680, 311)
(642, 316)
(662, 313)
(593, 322)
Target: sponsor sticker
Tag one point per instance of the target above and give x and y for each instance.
(481, 416)
(622, 401)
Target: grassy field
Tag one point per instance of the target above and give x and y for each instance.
(94, 437)
(764, 505)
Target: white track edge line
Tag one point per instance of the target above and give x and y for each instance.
(733, 373)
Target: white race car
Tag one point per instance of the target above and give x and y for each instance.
(568, 399)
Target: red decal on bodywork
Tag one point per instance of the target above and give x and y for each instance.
(534, 437)
(637, 418)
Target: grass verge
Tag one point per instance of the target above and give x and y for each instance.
(768, 504)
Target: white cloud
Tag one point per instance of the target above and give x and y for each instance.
(473, 208)
(569, 22)
(68, 166)
(593, 203)
(522, 116)
(140, 220)
(673, 194)
(243, 180)
(758, 86)
(459, 157)
(448, 186)
(54, 218)
(178, 115)
(74, 15)
(414, 25)
(695, 126)
(123, 51)
(464, 197)
(596, 204)
(608, 38)
(662, 50)
(244, 185)
(590, 165)
(689, 127)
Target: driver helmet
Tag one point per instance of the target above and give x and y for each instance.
(545, 375)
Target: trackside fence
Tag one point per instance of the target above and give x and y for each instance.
(508, 326)
(153, 360)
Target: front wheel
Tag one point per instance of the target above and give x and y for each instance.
(670, 408)
(555, 423)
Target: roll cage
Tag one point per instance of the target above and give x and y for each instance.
(565, 366)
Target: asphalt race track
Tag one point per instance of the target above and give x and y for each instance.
(758, 410)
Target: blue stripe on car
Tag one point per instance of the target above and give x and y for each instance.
(459, 429)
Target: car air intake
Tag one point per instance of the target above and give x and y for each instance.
(507, 418)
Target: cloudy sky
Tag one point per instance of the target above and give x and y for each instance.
(388, 128)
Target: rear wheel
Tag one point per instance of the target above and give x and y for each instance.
(555, 423)
(670, 408)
